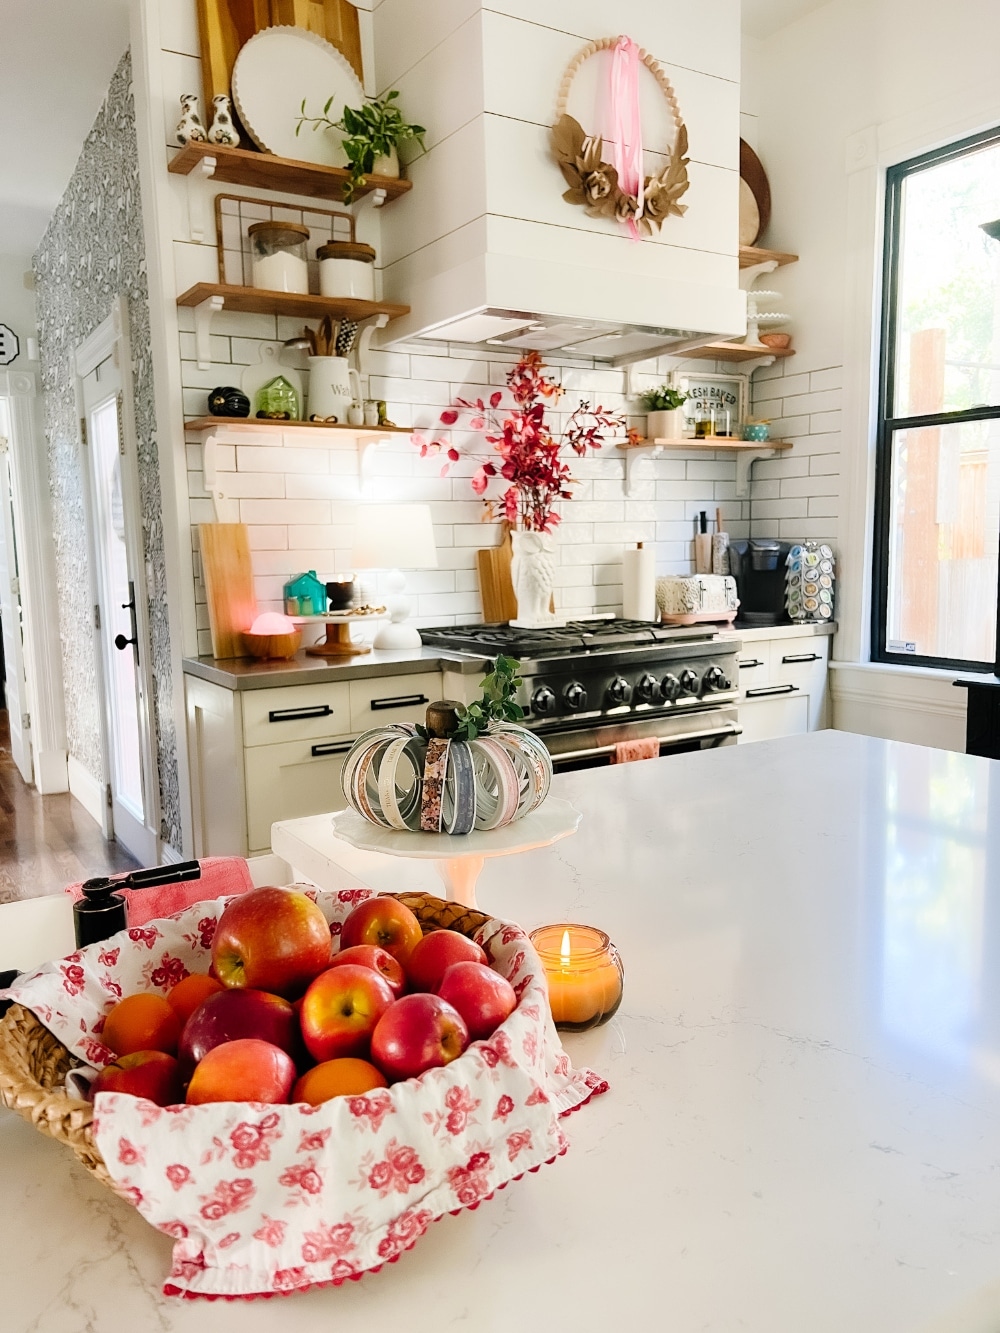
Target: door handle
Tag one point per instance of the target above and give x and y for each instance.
(771, 689)
(299, 714)
(755, 662)
(121, 643)
(803, 657)
(332, 747)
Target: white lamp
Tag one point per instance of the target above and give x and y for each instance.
(395, 537)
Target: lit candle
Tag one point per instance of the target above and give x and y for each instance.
(584, 974)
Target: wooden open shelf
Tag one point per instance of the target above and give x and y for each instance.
(754, 254)
(710, 442)
(256, 423)
(285, 175)
(726, 351)
(255, 301)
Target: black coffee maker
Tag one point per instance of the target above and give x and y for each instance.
(758, 565)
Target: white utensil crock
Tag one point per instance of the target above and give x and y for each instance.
(333, 387)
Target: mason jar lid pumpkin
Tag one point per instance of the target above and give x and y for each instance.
(468, 768)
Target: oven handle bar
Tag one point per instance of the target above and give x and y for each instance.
(730, 729)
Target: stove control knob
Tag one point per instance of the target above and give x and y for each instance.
(715, 679)
(689, 681)
(543, 700)
(618, 691)
(575, 696)
(670, 686)
(648, 689)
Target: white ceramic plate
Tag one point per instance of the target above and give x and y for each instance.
(274, 71)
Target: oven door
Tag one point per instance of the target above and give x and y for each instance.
(594, 745)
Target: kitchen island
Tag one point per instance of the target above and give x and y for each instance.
(803, 1127)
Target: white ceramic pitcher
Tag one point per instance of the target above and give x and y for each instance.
(333, 386)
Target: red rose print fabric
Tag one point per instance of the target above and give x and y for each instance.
(267, 1199)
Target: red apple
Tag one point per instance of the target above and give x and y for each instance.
(150, 1074)
(417, 1033)
(340, 1010)
(230, 1015)
(247, 1070)
(273, 940)
(370, 955)
(435, 953)
(385, 922)
(483, 997)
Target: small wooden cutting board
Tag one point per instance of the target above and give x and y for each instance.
(495, 586)
(228, 577)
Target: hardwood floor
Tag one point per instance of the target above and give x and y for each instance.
(46, 842)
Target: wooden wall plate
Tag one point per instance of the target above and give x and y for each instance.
(224, 26)
(753, 173)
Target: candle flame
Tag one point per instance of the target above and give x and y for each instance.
(564, 949)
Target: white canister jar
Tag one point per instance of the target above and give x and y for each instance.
(278, 251)
(347, 268)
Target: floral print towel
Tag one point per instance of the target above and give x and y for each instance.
(265, 1199)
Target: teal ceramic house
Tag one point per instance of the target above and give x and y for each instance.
(305, 595)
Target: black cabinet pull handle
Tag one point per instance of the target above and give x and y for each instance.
(400, 701)
(803, 657)
(332, 747)
(755, 662)
(299, 714)
(771, 689)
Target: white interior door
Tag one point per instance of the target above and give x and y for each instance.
(11, 613)
(121, 627)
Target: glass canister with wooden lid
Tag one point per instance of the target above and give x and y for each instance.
(279, 257)
(347, 269)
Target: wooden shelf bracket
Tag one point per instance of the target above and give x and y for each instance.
(203, 312)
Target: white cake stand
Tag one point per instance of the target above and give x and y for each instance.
(460, 858)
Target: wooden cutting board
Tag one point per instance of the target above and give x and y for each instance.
(228, 577)
(496, 588)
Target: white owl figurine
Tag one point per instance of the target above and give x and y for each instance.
(223, 130)
(190, 128)
(532, 571)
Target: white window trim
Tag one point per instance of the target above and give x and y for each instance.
(868, 155)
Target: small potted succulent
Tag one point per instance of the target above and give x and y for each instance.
(372, 135)
(665, 413)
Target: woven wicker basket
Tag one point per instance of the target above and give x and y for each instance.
(34, 1063)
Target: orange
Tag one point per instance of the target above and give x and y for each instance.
(142, 1023)
(346, 1077)
(188, 994)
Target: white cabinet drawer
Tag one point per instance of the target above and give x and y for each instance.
(296, 713)
(289, 782)
(755, 666)
(768, 717)
(392, 699)
(801, 661)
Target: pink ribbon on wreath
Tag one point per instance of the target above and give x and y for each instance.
(625, 123)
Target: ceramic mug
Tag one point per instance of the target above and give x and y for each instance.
(330, 387)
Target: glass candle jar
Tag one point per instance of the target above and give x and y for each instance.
(278, 251)
(584, 973)
(347, 268)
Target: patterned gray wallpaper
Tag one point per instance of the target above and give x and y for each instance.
(93, 250)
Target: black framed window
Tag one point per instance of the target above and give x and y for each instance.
(937, 518)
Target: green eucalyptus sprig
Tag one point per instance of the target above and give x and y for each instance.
(371, 130)
(497, 704)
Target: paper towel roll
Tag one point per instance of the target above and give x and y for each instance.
(639, 583)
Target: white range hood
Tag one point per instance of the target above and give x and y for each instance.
(485, 250)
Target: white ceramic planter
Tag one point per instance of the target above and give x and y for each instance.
(330, 387)
(388, 165)
(665, 425)
(533, 572)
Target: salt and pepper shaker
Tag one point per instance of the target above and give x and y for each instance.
(720, 547)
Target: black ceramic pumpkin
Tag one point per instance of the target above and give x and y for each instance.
(228, 402)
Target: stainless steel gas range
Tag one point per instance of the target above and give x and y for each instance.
(592, 684)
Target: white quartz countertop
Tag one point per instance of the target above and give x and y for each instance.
(803, 1128)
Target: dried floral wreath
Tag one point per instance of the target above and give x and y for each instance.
(593, 182)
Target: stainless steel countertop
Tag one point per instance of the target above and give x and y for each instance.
(248, 673)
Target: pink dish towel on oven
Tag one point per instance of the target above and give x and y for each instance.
(643, 747)
(221, 877)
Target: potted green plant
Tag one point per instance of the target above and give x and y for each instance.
(372, 135)
(665, 412)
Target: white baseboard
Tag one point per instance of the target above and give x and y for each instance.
(51, 772)
(170, 856)
(87, 790)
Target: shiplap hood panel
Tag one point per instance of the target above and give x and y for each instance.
(485, 248)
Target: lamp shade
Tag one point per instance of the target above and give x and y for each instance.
(394, 537)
